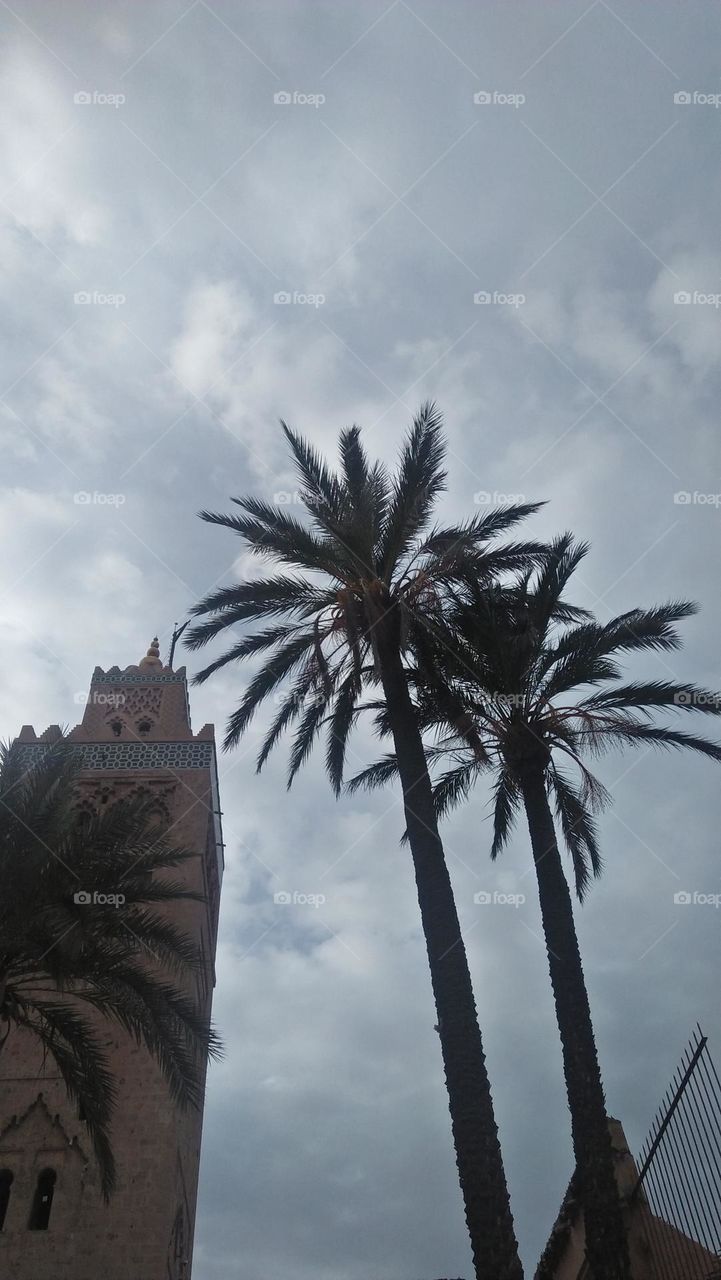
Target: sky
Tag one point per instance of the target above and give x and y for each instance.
(215, 215)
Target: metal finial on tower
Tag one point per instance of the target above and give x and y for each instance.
(177, 633)
(152, 657)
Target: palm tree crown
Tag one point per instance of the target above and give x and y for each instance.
(505, 681)
(66, 962)
(368, 545)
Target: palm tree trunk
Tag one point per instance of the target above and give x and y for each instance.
(606, 1244)
(478, 1152)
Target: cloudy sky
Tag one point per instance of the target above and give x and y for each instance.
(172, 174)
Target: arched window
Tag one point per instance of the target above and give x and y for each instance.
(6, 1181)
(144, 726)
(42, 1201)
(117, 727)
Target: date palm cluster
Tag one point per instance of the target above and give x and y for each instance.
(467, 655)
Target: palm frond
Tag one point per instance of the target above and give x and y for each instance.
(482, 528)
(72, 1043)
(367, 493)
(563, 612)
(593, 793)
(321, 486)
(272, 533)
(579, 831)
(249, 601)
(419, 481)
(305, 735)
(637, 629)
(276, 669)
(505, 810)
(453, 787)
(375, 775)
(339, 726)
(354, 465)
(289, 710)
(563, 558)
(656, 693)
(577, 667)
(657, 736)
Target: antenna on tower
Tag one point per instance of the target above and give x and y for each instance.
(177, 633)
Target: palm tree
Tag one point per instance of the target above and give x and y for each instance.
(66, 962)
(364, 569)
(505, 689)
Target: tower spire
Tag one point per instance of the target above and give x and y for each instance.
(152, 657)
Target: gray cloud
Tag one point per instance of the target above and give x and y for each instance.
(327, 1147)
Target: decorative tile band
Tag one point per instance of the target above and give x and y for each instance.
(133, 677)
(136, 755)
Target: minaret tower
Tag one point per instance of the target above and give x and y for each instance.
(135, 736)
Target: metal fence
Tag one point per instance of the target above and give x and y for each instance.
(679, 1182)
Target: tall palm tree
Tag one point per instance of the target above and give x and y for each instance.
(364, 569)
(506, 688)
(81, 936)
